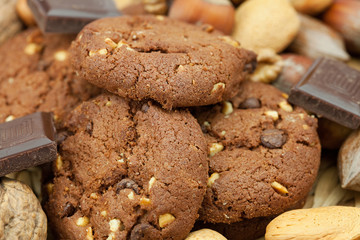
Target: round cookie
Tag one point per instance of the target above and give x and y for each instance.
(171, 62)
(35, 75)
(264, 155)
(127, 171)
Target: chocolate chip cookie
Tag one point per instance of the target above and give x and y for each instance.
(127, 170)
(171, 62)
(35, 75)
(264, 155)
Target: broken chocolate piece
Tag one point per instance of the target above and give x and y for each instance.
(331, 89)
(70, 16)
(26, 142)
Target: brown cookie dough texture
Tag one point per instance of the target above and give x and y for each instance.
(21, 216)
(128, 170)
(264, 155)
(173, 63)
(35, 75)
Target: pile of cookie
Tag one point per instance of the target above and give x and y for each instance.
(164, 127)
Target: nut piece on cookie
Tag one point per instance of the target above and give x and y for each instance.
(166, 219)
(21, 215)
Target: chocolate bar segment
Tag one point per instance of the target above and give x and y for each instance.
(70, 16)
(331, 89)
(26, 142)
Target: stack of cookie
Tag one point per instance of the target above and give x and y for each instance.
(177, 134)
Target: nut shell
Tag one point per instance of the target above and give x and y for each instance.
(21, 216)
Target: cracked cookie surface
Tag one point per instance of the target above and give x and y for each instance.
(35, 75)
(127, 170)
(173, 63)
(264, 155)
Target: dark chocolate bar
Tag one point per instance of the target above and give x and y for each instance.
(26, 142)
(331, 89)
(70, 16)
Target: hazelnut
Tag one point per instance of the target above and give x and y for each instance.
(266, 24)
(218, 13)
(166, 219)
(294, 67)
(310, 6)
(344, 17)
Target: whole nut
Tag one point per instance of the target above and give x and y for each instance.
(315, 39)
(294, 67)
(218, 13)
(205, 234)
(24, 12)
(336, 222)
(266, 24)
(310, 6)
(344, 17)
(21, 216)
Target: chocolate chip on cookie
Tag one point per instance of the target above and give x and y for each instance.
(273, 138)
(171, 62)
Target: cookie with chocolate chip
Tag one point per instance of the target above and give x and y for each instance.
(263, 155)
(127, 170)
(35, 75)
(171, 62)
